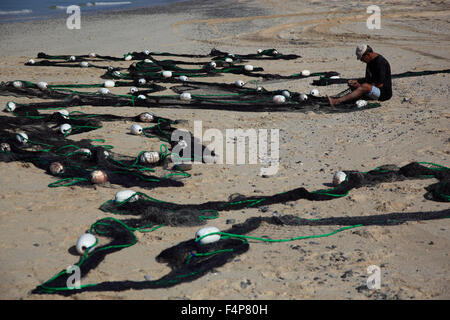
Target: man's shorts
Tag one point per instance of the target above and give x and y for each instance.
(374, 94)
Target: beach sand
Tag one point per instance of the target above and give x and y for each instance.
(39, 224)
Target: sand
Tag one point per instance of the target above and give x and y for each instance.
(39, 225)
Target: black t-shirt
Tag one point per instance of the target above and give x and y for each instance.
(379, 71)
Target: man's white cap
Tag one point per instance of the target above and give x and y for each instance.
(360, 50)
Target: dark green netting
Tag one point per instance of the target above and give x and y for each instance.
(355, 179)
(271, 54)
(224, 97)
(326, 80)
(188, 260)
(66, 64)
(45, 145)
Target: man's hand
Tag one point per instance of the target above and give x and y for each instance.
(353, 83)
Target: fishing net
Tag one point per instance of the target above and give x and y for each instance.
(68, 64)
(122, 236)
(65, 92)
(200, 95)
(326, 80)
(263, 55)
(45, 144)
(267, 54)
(152, 69)
(147, 73)
(354, 179)
(189, 260)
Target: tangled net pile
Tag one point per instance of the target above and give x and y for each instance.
(44, 139)
(146, 75)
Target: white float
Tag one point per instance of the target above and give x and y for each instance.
(103, 91)
(314, 92)
(123, 195)
(134, 90)
(99, 177)
(42, 85)
(185, 96)
(279, 98)
(146, 117)
(22, 137)
(64, 113)
(149, 157)
(56, 168)
(303, 97)
(248, 67)
(65, 128)
(239, 83)
(286, 93)
(18, 84)
(85, 242)
(339, 177)
(167, 74)
(136, 129)
(10, 106)
(208, 239)
(109, 84)
(306, 73)
(5, 147)
(84, 151)
(361, 103)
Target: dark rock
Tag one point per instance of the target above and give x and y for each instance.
(346, 274)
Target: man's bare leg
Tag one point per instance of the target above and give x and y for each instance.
(355, 94)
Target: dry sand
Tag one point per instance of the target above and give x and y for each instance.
(39, 224)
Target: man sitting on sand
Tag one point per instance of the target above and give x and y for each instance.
(377, 83)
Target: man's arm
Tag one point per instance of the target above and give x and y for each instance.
(353, 83)
(361, 80)
(378, 85)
